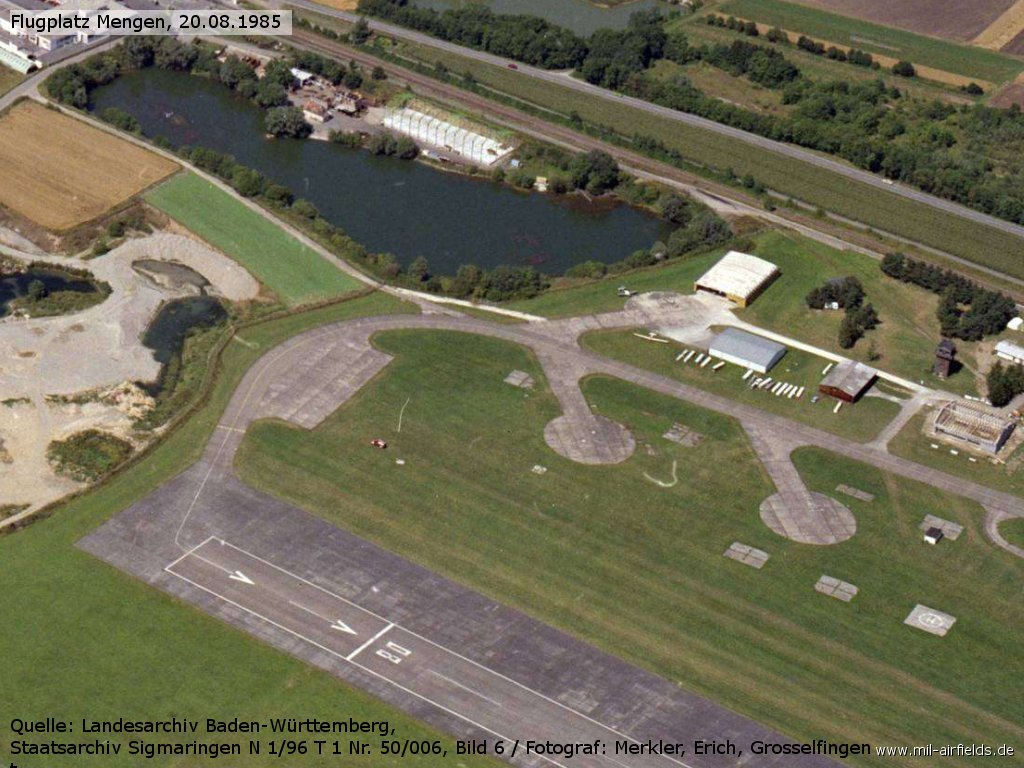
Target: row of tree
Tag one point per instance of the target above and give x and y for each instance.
(967, 311)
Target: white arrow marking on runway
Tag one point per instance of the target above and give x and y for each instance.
(239, 576)
(343, 627)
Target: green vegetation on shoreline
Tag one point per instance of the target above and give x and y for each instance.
(65, 605)
(605, 554)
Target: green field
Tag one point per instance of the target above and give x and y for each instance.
(82, 639)
(818, 187)
(292, 270)
(907, 336)
(8, 79)
(1013, 531)
(911, 443)
(605, 554)
(904, 342)
(861, 421)
(601, 296)
(887, 41)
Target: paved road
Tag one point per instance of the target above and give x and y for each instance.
(787, 150)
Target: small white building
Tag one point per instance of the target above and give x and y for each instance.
(1007, 350)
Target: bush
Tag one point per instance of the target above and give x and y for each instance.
(87, 456)
(904, 69)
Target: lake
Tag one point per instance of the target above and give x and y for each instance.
(389, 205)
(581, 16)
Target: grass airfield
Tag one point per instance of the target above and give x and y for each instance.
(609, 555)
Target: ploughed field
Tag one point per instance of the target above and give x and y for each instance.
(59, 172)
(951, 19)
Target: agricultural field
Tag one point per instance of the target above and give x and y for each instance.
(722, 85)
(911, 443)
(637, 569)
(932, 52)
(861, 421)
(59, 172)
(70, 606)
(859, 202)
(292, 270)
(950, 19)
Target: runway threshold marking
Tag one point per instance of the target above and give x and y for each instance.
(389, 625)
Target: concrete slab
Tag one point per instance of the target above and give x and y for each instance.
(743, 553)
(930, 620)
(949, 529)
(833, 587)
(684, 436)
(855, 493)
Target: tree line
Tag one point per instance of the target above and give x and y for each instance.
(967, 310)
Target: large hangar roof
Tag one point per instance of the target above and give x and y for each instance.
(738, 274)
(747, 349)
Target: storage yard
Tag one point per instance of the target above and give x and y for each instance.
(60, 172)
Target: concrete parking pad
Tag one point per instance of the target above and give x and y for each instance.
(930, 620)
(755, 558)
(833, 587)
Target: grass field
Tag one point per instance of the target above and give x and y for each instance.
(906, 338)
(862, 421)
(60, 172)
(637, 569)
(82, 639)
(912, 444)
(1013, 531)
(601, 296)
(8, 79)
(860, 202)
(885, 41)
(292, 270)
(905, 341)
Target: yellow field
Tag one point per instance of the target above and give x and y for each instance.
(1004, 29)
(59, 172)
(341, 5)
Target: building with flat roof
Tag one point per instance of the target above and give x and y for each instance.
(847, 381)
(985, 430)
(746, 349)
(1010, 351)
(738, 277)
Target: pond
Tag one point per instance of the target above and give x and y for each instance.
(581, 16)
(167, 331)
(389, 205)
(16, 286)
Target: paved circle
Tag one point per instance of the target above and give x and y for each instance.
(595, 440)
(811, 518)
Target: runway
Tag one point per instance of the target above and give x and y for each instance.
(502, 707)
